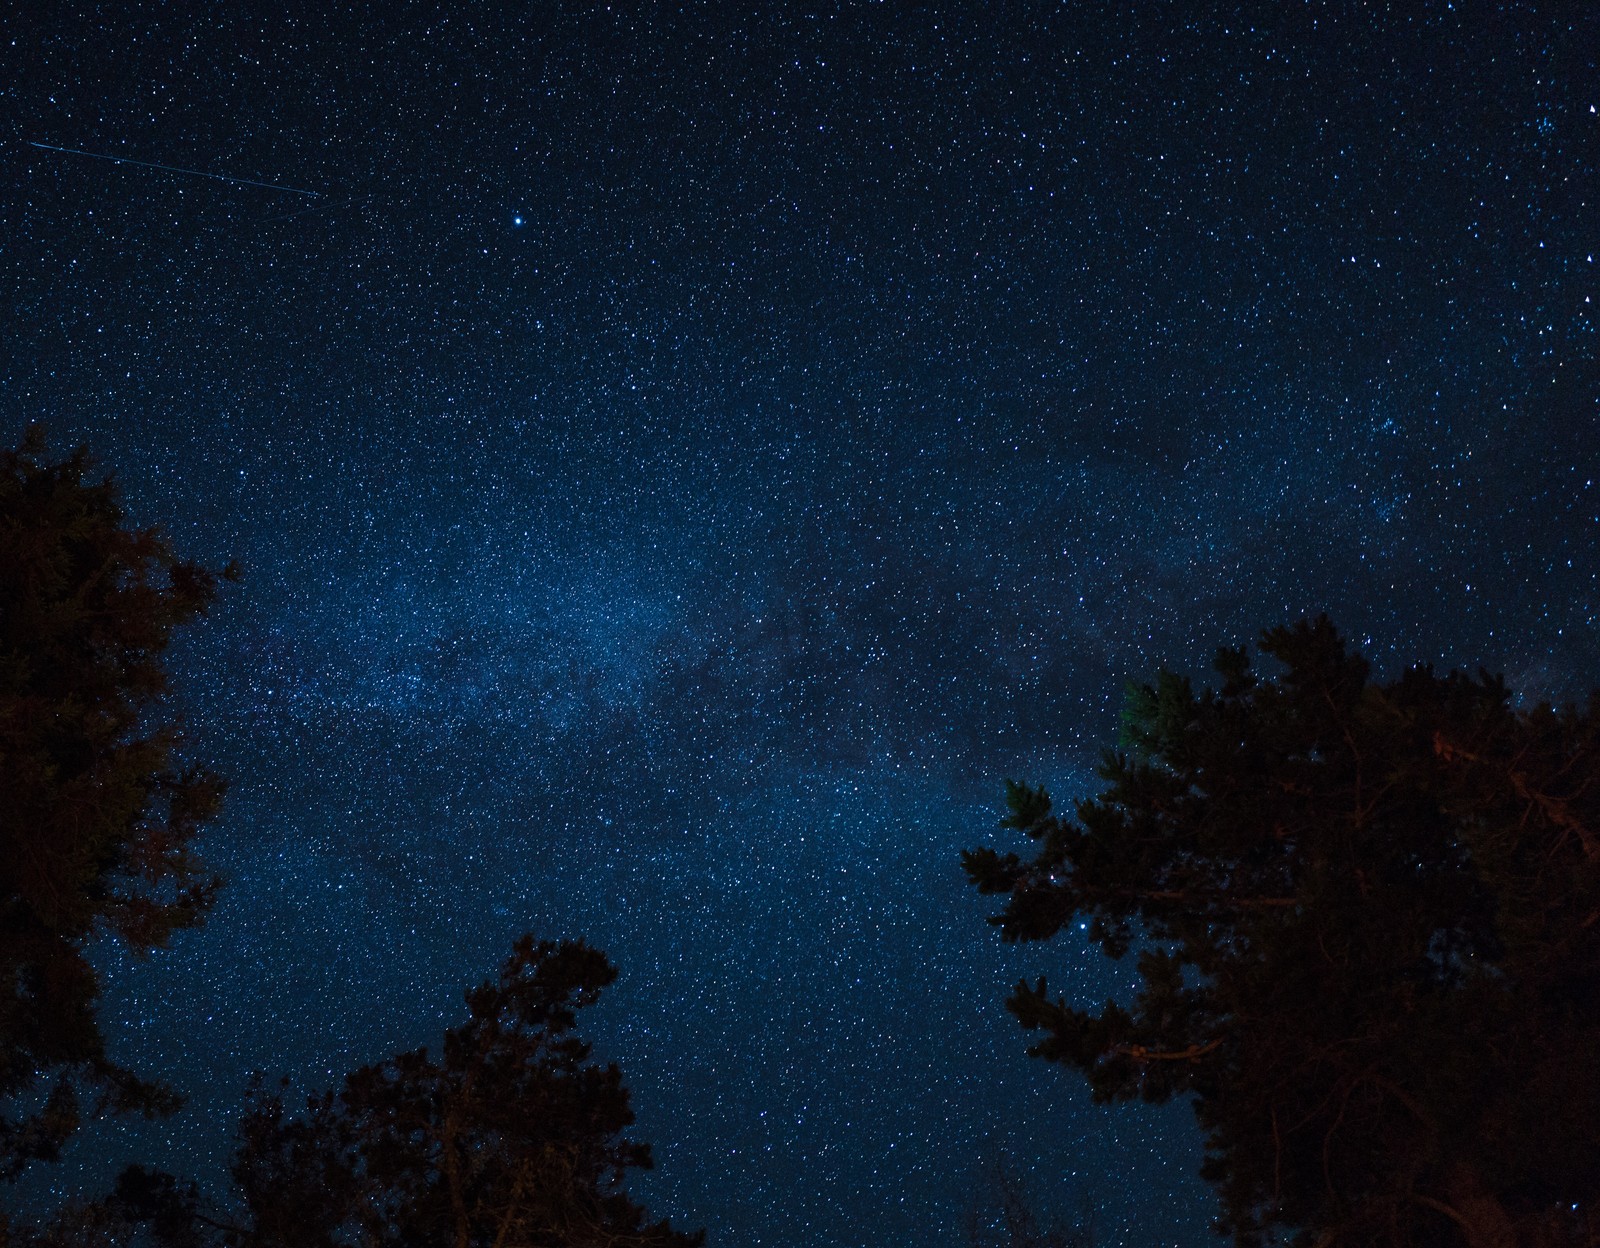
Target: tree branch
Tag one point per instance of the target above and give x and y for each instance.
(1140, 1053)
(1553, 808)
(1224, 899)
(1438, 1206)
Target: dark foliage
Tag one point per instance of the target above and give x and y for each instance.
(1368, 921)
(510, 1138)
(96, 814)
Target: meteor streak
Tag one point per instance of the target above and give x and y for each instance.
(197, 173)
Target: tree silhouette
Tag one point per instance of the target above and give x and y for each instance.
(510, 1138)
(1368, 919)
(96, 813)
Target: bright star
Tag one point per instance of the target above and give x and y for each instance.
(517, 220)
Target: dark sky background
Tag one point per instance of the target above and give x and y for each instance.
(686, 456)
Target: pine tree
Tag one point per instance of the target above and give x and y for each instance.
(1368, 928)
(509, 1138)
(96, 812)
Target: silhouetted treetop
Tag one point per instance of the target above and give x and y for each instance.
(1368, 927)
(511, 1137)
(96, 812)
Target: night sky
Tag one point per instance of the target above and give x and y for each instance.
(683, 458)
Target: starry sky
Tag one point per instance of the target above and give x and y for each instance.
(683, 457)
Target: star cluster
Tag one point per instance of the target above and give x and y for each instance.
(685, 457)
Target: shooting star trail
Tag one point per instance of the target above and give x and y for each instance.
(197, 173)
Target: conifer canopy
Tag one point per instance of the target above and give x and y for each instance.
(508, 1137)
(1366, 918)
(97, 813)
